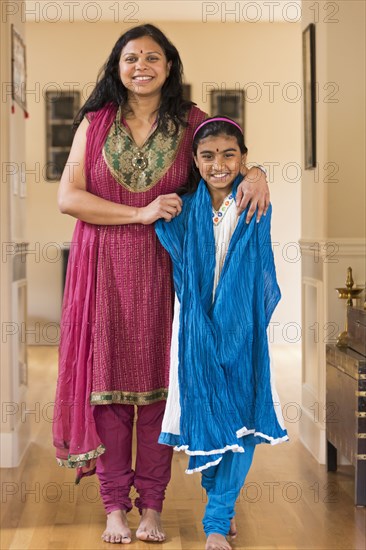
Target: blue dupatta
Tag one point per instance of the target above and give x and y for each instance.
(224, 365)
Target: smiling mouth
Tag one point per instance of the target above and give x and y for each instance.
(142, 78)
(220, 176)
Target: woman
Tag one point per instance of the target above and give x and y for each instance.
(131, 152)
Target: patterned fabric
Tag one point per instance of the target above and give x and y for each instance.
(118, 302)
(139, 168)
(224, 364)
(127, 398)
(223, 230)
(218, 215)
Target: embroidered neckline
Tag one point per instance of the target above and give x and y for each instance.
(135, 168)
(122, 121)
(218, 215)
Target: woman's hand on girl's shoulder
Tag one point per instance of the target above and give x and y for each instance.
(254, 190)
(164, 206)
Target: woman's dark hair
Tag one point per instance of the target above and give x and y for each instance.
(211, 128)
(109, 87)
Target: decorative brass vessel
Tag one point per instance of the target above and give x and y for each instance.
(347, 293)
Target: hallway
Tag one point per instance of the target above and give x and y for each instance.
(288, 502)
(318, 231)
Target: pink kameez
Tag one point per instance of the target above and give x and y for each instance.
(118, 301)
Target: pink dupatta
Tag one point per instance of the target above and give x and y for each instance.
(74, 431)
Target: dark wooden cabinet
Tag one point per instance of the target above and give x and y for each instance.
(356, 323)
(346, 413)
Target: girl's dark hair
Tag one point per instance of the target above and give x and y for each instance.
(211, 128)
(109, 87)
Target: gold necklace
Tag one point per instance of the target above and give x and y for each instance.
(140, 161)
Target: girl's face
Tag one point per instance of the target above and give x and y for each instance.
(143, 67)
(219, 160)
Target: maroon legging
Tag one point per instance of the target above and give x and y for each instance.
(153, 460)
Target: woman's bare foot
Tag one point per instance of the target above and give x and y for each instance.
(117, 530)
(233, 532)
(150, 528)
(215, 541)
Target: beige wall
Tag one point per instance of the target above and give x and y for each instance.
(5, 287)
(337, 209)
(13, 433)
(251, 56)
(332, 213)
(346, 121)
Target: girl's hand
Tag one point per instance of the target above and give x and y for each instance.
(164, 206)
(253, 189)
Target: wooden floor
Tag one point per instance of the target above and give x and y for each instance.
(289, 501)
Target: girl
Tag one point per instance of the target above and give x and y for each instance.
(225, 282)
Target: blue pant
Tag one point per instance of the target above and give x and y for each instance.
(223, 484)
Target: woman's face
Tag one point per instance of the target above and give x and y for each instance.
(143, 67)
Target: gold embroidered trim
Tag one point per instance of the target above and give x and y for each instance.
(77, 461)
(127, 397)
(158, 153)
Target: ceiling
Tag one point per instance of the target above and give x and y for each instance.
(135, 12)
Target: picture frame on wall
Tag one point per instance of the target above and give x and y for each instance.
(18, 69)
(61, 109)
(309, 87)
(228, 103)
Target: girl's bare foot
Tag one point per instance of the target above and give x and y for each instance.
(233, 532)
(215, 541)
(117, 530)
(150, 528)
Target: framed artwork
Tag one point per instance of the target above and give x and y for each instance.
(309, 86)
(61, 109)
(18, 69)
(228, 103)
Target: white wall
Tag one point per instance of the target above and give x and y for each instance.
(260, 58)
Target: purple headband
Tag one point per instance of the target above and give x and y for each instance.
(216, 119)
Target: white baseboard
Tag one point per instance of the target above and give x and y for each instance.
(312, 436)
(13, 446)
